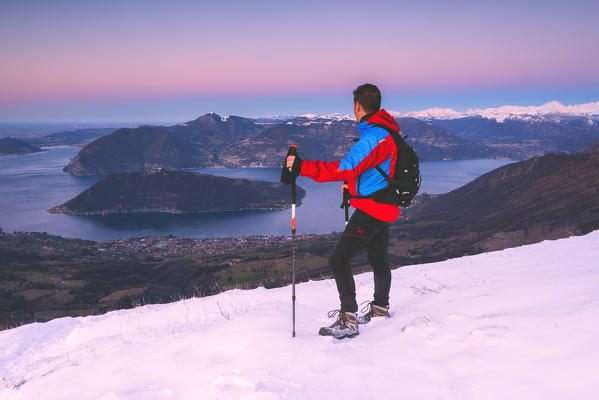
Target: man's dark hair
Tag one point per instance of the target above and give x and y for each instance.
(369, 96)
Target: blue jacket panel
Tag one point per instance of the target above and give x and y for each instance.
(371, 180)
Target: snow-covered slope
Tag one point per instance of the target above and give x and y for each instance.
(520, 323)
(550, 110)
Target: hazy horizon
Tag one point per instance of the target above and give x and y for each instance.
(135, 122)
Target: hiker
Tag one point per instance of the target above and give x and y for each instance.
(369, 224)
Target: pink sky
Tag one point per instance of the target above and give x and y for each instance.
(69, 51)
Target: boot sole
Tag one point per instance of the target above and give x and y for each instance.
(350, 336)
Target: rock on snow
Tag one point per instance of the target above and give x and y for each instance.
(520, 323)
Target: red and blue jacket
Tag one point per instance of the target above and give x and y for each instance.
(375, 147)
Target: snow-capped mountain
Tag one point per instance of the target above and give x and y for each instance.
(518, 323)
(552, 110)
(328, 117)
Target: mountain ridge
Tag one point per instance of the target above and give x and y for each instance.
(548, 197)
(189, 145)
(79, 137)
(237, 142)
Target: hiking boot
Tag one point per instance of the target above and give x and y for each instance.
(346, 325)
(370, 311)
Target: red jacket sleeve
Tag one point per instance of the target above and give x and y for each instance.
(323, 171)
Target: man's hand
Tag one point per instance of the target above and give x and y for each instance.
(290, 161)
(343, 187)
(292, 168)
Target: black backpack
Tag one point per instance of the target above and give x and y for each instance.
(405, 183)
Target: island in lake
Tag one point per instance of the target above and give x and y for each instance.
(177, 192)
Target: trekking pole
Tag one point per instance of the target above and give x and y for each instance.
(292, 152)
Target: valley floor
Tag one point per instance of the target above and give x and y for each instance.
(521, 323)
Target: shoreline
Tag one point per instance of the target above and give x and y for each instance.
(63, 210)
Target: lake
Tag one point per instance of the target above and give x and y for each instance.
(33, 183)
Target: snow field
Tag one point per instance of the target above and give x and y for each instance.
(520, 323)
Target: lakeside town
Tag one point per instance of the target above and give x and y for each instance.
(171, 246)
(156, 246)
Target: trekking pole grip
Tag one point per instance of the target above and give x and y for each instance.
(292, 152)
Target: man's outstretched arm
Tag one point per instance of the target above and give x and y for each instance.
(358, 160)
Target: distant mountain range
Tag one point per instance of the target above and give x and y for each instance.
(524, 138)
(513, 132)
(34, 130)
(79, 137)
(215, 141)
(11, 146)
(553, 110)
(177, 192)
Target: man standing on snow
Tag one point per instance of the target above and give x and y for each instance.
(369, 225)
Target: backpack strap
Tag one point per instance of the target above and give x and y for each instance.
(378, 168)
(392, 132)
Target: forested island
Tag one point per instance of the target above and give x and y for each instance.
(177, 192)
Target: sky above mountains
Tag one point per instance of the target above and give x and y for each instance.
(172, 61)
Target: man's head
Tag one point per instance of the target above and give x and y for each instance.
(367, 100)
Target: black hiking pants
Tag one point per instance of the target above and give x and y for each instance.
(362, 231)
